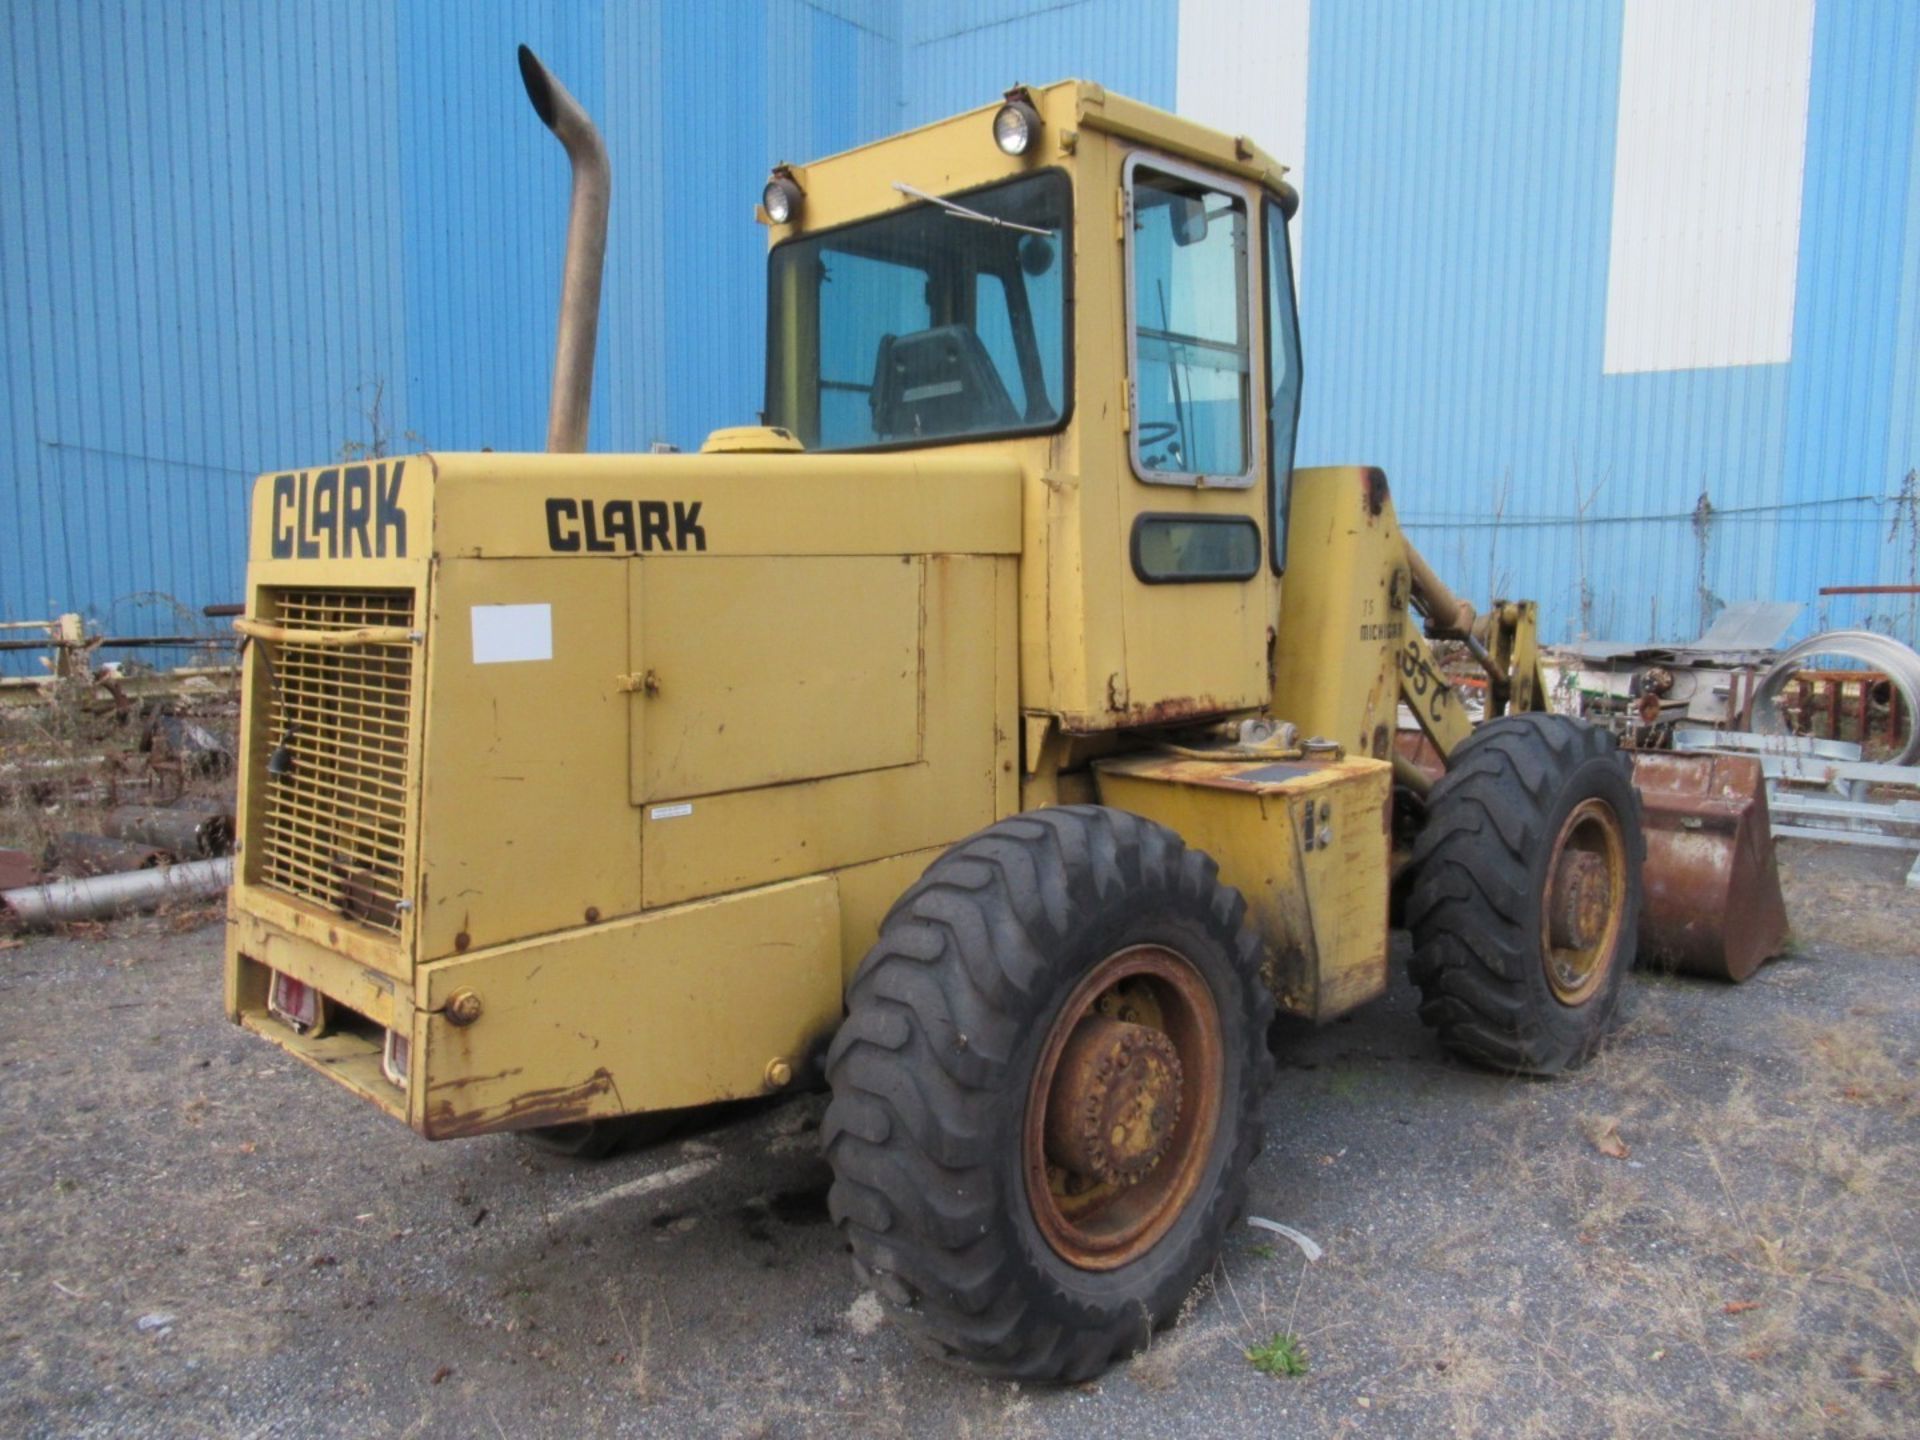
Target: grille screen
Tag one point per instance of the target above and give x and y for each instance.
(333, 824)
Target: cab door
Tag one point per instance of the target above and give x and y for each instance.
(1198, 526)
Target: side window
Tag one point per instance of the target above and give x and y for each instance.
(871, 298)
(1190, 322)
(1283, 377)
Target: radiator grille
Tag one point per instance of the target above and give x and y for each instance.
(333, 827)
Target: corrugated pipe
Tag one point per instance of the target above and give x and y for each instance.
(35, 907)
(1868, 648)
(586, 254)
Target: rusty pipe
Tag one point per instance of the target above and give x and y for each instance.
(198, 832)
(579, 326)
(1447, 614)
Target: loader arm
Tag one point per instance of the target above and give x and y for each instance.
(1505, 641)
(1712, 902)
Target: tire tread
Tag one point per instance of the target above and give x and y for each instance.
(936, 1012)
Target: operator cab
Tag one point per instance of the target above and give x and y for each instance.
(1110, 303)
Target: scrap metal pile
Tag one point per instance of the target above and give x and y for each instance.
(116, 782)
(1822, 733)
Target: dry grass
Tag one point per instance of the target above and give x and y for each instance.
(1745, 1268)
(44, 746)
(1169, 1357)
(71, 754)
(1858, 913)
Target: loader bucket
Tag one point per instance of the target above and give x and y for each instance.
(1712, 903)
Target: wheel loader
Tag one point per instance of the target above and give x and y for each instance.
(999, 733)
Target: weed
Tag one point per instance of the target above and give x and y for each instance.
(1346, 1084)
(1281, 1357)
(1263, 1252)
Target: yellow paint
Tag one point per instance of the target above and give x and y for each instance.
(677, 1007)
(1336, 669)
(810, 641)
(1305, 842)
(752, 693)
(1432, 701)
(521, 831)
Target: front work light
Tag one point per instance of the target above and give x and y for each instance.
(781, 199)
(1015, 125)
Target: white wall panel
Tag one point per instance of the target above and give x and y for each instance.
(1709, 155)
(1243, 69)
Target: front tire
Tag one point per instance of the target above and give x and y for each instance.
(1525, 907)
(1046, 1093)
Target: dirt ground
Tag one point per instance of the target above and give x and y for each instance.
(1713, 1230)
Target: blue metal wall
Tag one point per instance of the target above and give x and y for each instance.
(230, 231)
(1454, 301)
(225, 228)
(966, 52)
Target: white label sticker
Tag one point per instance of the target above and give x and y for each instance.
(669, 812)
(504, 633)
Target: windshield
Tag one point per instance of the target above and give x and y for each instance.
(924, 324)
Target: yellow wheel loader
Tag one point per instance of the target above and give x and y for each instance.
(997, 733)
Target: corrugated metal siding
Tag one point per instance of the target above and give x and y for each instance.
(262, 214)
(262, 217)
(1454, 311)
(966, 52)
(173, 174)
(1862, 214)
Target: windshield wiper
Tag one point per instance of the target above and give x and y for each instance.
(963, 213)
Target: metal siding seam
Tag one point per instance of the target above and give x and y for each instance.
(24, 552)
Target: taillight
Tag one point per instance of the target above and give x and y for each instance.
(395, 1056)
(295, 1002)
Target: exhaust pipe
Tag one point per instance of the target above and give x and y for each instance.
(586, 254)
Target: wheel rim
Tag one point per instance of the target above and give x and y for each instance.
(1123, 1107)
(1585, 895)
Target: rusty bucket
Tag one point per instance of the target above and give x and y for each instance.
(1712, 901)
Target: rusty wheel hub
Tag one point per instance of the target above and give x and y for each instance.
(1115, 1100)
(1123, 1107)
(1586, 892)
(1579, 900)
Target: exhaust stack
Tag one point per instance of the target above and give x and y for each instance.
(579, 325)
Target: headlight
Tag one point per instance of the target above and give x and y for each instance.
(781, 199)
(1015, 125)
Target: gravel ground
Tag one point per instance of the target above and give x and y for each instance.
(200, 1237)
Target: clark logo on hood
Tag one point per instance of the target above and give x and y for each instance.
(347, 513)
(623, 527)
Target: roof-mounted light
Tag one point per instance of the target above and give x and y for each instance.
(781, 199)
(1016, 124)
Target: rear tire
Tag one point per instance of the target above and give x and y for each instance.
(1525, 906)
(1018, 954)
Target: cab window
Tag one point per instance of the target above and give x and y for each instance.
(1190, 326)
(925, 325)
(1283, 378)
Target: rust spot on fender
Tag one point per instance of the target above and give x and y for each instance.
(1373, 482)
(561, 1105)
(1178, 710)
